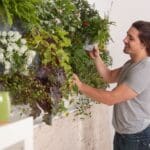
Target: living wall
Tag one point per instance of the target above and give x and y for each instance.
(41, 45)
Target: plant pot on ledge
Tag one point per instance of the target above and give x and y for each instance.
(4, 107)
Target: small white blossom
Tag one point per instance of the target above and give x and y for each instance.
(30, 56)
(12, 39)
(66, 103)
(31, 53)
(2, 57)
(46, 22)
(58, 21)
(7, 65)
(26, 70)
(9, 56)
(53, 31)
(3, 41)
(4, 33)
(1, 50)
(10, 33)
(72, 29)
(78, 15)
(29, 61)
(23, 49)
(23, 41)
(17, 35)
(9, 49)
(60, 11)
(14, 46)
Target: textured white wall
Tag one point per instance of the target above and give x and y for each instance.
(66, 134)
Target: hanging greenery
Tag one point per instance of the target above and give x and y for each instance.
(14, 10)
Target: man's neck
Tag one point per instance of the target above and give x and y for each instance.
(137, 58)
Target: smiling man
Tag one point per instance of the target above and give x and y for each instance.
(131, 96)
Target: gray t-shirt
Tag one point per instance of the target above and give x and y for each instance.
(133, 116)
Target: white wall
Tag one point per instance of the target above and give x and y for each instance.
(69, 134)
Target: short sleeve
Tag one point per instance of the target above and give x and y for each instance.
(138, 78)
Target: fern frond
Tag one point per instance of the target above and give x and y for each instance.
(24, 10)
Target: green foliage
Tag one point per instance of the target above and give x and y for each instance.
(59, 13)
(58, 31)
(83, 23)
(26, 11)
(92, 29)
(27, 90)
(93, 26)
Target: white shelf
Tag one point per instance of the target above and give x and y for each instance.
(19, 131)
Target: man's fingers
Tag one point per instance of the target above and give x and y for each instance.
(74, 78)
(74, 75)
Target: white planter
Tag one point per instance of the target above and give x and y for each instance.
(20, 131)
(90, 47)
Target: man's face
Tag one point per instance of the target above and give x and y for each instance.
(132, 42)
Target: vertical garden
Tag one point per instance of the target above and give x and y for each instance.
(41, 45)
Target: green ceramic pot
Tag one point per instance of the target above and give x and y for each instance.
(4, 107)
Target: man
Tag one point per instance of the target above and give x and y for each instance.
(131, 96)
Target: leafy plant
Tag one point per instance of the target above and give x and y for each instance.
(26, 11)
(92, 28)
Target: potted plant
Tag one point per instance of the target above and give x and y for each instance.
(4, 107)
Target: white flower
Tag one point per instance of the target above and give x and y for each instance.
(23, 41)
(26, 70)
(31, 53)
(30, 56)
(72, 29)
(2, 57)
(12, 39)
(4, 33)
(10, 33)
(1, 50)
(58, 21)
(29, 61)
(78, 15)
(6, 71)
(9, 49)
(3, 41)
(17, 35)
(23, 49)
(9, 56)
(60, 11)
(46, 22)
(14, 46)
(66, 103)
(7, 65)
